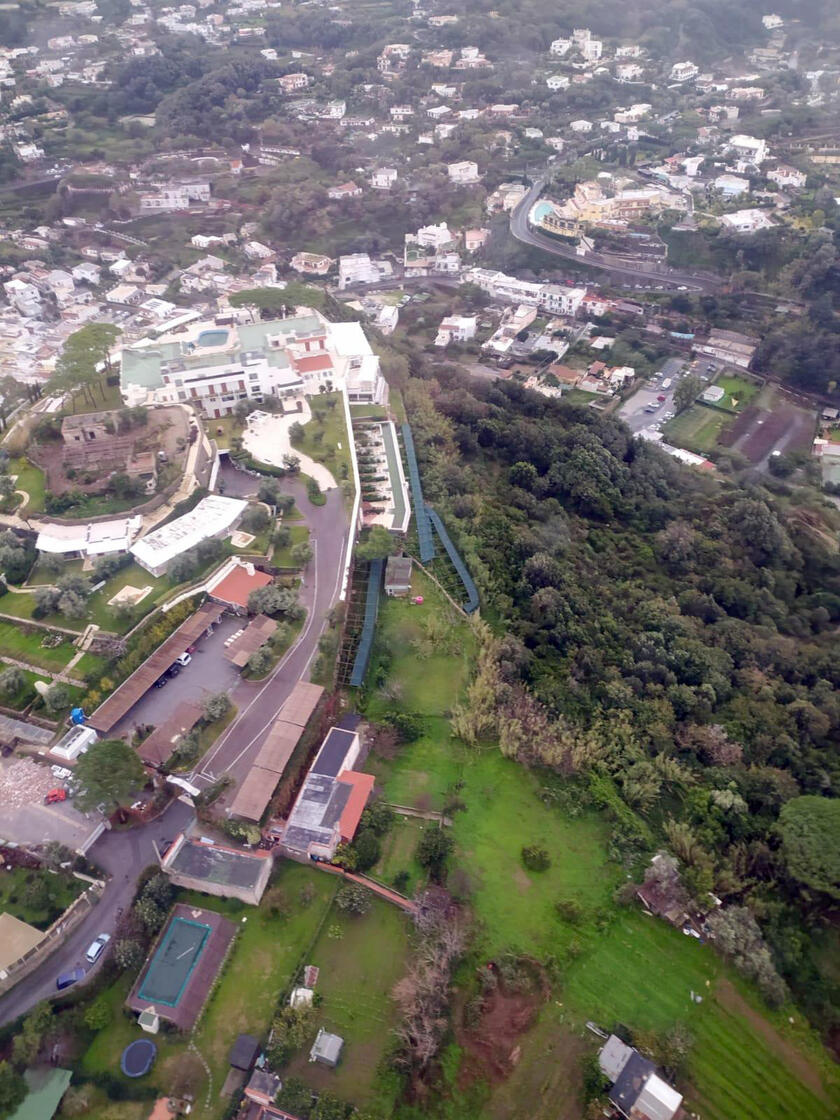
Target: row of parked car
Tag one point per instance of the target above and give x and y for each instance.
(174, 669)
(94, 952)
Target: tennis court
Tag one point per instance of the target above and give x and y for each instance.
(174, 961)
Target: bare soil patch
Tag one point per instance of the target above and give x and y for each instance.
(491, 1044)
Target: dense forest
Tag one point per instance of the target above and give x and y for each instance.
(667, 641)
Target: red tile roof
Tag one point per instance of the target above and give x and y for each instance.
(310, 362)
(362, 788)
(238, 585)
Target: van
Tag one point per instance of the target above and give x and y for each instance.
(68, 978)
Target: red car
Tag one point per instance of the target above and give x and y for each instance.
(54, 796)
(661, 397)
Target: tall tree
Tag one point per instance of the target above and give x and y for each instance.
(78, 367)
(109, 772)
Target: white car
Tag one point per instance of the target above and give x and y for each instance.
(183, 659)
(95, 951)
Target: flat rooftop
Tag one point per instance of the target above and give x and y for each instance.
(333, 752)
(211, 517)
(216, 863)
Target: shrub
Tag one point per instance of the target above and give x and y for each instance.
(536, 858)
(353, 899)
(366, 846)
(569, 909)
(433, 852)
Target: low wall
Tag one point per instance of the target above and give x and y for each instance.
(72, 917)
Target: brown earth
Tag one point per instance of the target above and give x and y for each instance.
(491, 1047)
(729, 998)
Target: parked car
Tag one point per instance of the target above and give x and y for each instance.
(95, 951)
(161, 681)
(184, 659)
(173, 670)
(661, 397)
(65, 979)
(55, 796)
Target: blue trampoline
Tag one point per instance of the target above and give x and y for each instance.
(138, 1057)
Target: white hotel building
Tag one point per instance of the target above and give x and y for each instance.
(215, 367)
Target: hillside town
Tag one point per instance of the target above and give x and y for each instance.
(419, 475)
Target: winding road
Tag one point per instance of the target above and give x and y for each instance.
(643, 273)
(122, 856)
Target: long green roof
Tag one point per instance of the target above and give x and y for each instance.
(46, 1088)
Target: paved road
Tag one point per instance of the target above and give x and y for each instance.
(259, 702)
(122, 856)
(643, 275)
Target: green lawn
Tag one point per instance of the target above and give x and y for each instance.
(614, 965)
(31, 479)
(262, 964)
(41, 575)
(327, 441)
(223, 430)
(368, 412)
(430, 647)
(282, 557)
(739, 391)
(24, 695)
(398, 847)
(27, 646)
(19, 894)
(697, 429)
(360, 960)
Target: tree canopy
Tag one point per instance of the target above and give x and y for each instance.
(110, 773)
(810, 831)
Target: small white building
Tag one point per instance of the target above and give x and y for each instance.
(684, 71)
(214, 516)
(456, 328)
(464, 172)
(384, 178)
(731, 186)
(747, 221)
(358, 268)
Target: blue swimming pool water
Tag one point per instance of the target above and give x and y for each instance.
(212, 338)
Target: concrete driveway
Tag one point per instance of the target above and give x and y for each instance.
(122, 856)
(259, 702)
(267, 438)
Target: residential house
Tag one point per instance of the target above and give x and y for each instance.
(475, 239)
(358, 268)
(464, 172)
(291, 82)
(86, 273)
(581, 126)
(629, 71)
(749, 150)
(684, 71)
(558, 81)
(24, 297)
(729, 346)
(513, 322)
(505, 197)
(747, 221)
(637, 1090)
(384, 178)
(316, 264)
(345, 190)
(456, 328)
(561, 47)
(788, 178)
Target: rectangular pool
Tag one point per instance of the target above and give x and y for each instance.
(174, 960)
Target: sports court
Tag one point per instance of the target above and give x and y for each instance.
(175, 958)
(182, 966)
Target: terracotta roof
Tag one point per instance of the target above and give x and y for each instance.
(238, 585)
(255, 634)
(311, 362)
(351, 814)
(164, 739)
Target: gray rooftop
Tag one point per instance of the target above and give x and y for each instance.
(217, 865)
(316, 813)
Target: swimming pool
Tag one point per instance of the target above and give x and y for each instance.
(212, 338)
(173, 962)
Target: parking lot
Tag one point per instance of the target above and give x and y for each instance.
(644, 409)
(208, 672)
(26, 820)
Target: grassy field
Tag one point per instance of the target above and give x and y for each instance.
(262, 964)
(613, 965)
(282, 557)
(31, 479)
(739, 391)
(360, 961)
(223, 429)
(429, 646)
(697, 429)
(398, 847)
(16, 883)
(27, 646)
(327, 441)
(24, 695)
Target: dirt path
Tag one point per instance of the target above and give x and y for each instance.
(730, 999)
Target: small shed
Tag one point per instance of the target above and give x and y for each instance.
(326, 1049)
(301, 997)
(398, 575)
(244, 1052)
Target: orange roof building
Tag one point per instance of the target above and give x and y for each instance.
(361, 789)
(234, 588)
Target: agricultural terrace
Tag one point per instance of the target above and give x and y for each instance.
(607, 963)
